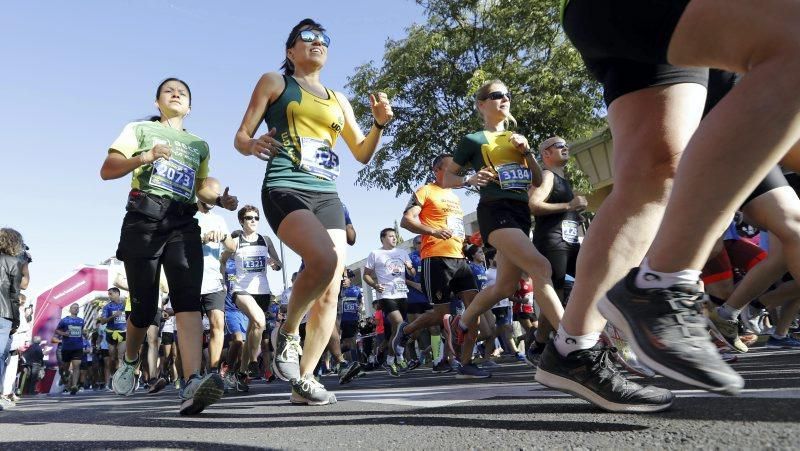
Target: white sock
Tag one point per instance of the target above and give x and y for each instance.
(727, 312)
(778, 337)
(390, 360)
(566, 344)
(648, 278)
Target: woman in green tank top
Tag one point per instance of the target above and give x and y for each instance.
(299, 192)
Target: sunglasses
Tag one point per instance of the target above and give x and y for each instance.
(251, 218)
(310, 36)
(498, 95)
(560, 146)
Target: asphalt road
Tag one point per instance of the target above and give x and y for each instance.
(422, 410)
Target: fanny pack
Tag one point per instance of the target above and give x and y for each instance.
(157, 208)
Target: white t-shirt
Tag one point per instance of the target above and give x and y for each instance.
(169, 323)
(491, 279)
(212, 278)
(390, 269)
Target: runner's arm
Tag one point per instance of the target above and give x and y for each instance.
(363, 147)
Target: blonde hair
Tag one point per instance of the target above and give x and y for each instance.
(481, 95)
(11, 242)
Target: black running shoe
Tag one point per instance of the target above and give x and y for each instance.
(156, 385)
(533, 353)
(241, 382)
(590, 374)
(349, 372)
(669, 334)
(253, 370)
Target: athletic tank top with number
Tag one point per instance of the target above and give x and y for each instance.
(558, 229)
(307, 127)
(494, 151)
(251, 266)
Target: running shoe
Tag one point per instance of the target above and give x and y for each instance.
(402, 365)
(201, 392)
(391, 369)
(124, 380)
(241, 382)
(286, 363)
(590, 374)
(534, 353)
(442, 367)
(749, 339)
(787, 342)
(230, 382)
(348, 372)
(727, 330)
(308, 390)
(411, 365)
(73, 390)
(6, 403)
(520, 357)
(489, 364)
(448, 335)
(625, 357)
(471, 371)
(253, 370)
(669, 334)
(156, 385)
(399, 339)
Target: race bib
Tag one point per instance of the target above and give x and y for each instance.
(513, 176)
(349, 306)
(400, 286)
(254, 264)
(174, 177)
(456, 225)
(74, 331)
(318, 158)
(120, 319)
(569, 231)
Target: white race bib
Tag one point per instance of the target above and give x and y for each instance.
(318, 158)
(513, 176)
(456, 225)
(174, 177)
(400, 286)
(569, 231)
(75, 331)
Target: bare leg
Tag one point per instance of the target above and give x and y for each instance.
(255, 328)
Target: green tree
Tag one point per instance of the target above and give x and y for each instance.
(433, 73)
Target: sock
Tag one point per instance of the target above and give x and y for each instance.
(566, 344)
(390, 360)
(778, 337)
(727, 312)
(131, 362)
(437, 348)
(648, 278)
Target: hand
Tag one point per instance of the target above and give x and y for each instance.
(229, 202)
(481, 178)
(381, 108)
(442, 234)
(578, 203)
(214, 236)
(265, 146)
(379, 288)
(520, 142)
(158, 151)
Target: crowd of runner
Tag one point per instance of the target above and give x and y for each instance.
(534, 284)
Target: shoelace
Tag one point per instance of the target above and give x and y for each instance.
(292, 351)
(603, 367)
(310, 385)
(687, 313)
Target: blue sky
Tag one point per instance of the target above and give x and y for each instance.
(76, 72)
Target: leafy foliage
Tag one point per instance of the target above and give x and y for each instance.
(432, 74)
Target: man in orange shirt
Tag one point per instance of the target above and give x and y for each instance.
(435, 213)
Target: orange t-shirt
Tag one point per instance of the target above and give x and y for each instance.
(441, 209)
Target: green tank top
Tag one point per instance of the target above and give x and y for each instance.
(307, 126)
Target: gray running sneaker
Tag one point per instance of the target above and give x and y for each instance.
(669, 334)
(308, 391)
(201, 392)
(124, 380)
(286, 363)
(726, 330)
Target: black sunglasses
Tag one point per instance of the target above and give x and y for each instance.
(498, 95)
(248, 218)
(560, 146)
(311, 36)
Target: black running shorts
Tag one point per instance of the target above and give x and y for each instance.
(213, 301)
(418, 308)
(624, 43)
(349, 329)
(503, 214)
(68, 355)
(279, 202)
(167, 338)
(444, 276)
(391, 305)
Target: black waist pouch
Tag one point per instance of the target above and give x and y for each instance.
(151, 206)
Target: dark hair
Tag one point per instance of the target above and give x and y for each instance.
(155, 118)
(386, 230)
(471, 251)
(309, 24)
(114, 289)
(438, 160)
(246, 209)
